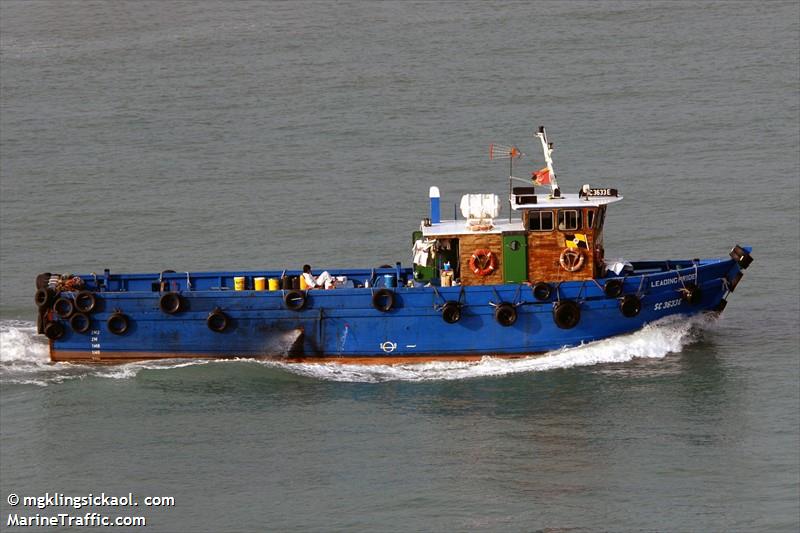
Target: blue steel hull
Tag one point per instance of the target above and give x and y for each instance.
(344, 325)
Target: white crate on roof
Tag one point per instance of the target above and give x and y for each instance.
(480, 206)
(480, 210)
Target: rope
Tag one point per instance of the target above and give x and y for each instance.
(580, 291)
(680, 278)
(517, 294)
(496, 296)
(435, 294)
(639, 290)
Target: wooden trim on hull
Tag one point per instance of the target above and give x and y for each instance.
(408, 360)
(68, 356)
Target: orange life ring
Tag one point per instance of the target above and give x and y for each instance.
(571, 259)
(483, 262)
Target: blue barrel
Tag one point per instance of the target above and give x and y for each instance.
(390, 280)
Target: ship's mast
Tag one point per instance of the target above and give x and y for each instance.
(547, 150)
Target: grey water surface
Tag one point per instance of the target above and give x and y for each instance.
(143, 136)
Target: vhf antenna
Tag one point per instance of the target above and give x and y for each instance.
(499, 151)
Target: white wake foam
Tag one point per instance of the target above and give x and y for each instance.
(654, 341)
(24, 358)
(18, 343)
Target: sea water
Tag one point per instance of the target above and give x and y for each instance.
(205, 135)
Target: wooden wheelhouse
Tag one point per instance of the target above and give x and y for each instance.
(557, 237)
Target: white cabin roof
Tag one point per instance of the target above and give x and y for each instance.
(503, 225)
(459, 227)
(545, 201)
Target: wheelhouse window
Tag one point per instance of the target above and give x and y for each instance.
(590, 218)
(540, 221)
(569, 219)
(601, 216)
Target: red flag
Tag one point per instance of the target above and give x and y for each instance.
(541, 177)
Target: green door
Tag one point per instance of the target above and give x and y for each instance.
(515, 258)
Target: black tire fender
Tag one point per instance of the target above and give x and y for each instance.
(217, 321)
(630, 305)
(505, 314)
(80, 323)
(451, 312)
(85, 301)
(54, 330)
(118, 323)
(542, 291)
(295, 299)
(383, 300)
(44, 297)
(613, 288)
(42, 280)
(566, 314)
(171, 303)
(64, 307)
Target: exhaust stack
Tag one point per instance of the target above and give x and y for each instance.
(436, 216)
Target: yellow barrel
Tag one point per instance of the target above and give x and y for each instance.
(303, 284)
(260, 283)
(273, 284)
(447, 278)
(238, 283)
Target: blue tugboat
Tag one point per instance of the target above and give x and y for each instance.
(478, 286)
